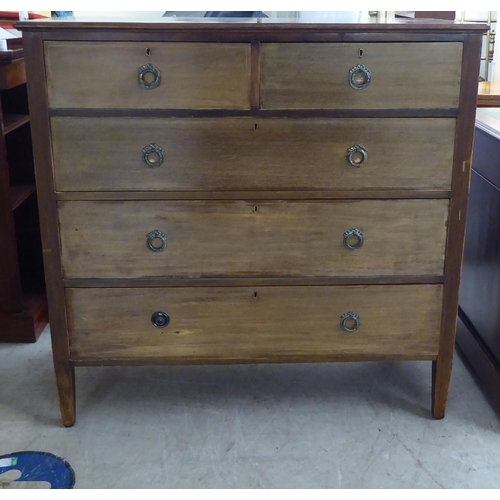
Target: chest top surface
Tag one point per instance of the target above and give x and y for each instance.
(241, 27)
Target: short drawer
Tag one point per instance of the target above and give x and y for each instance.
(211, 154)
(255, 324)
(118, 239)
(396, 75)
(108, 74)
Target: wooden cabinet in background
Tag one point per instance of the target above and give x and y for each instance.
(23, 307)
(478, 332)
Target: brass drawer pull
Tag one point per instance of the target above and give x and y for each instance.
(149, 76)
(351, 319)
(353, 233)
(156, 235)
(160, 319)
(152, 155)
(359, 77)
(357, 155)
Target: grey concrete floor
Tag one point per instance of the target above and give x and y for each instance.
(343, 425)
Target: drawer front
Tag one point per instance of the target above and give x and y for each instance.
(403, 75)
(227, 323)
(109, 239)
(203, 154)
(106, 75)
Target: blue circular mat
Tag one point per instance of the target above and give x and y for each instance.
(35, 469)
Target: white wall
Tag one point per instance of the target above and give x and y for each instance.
(482, 16)
(335, 16)
(139, 14)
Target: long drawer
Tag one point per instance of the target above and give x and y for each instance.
(130, 239)
(106, 75)
(399, 75)
(206, 154)
(266, 323)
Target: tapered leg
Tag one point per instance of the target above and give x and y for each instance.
(441, 376)
(65, 376)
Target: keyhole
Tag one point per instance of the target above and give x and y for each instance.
(360, 53)
(254, 295)
(148, 52)
(255, 209)
(255, 127)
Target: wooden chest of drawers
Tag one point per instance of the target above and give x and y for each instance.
(252, 191)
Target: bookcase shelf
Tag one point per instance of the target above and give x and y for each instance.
(12, 121)
(23, 305)
(19, 194)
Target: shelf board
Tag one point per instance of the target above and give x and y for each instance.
(35, 304)
(7, 56)
(20, 193)
(488, 95)
(12, 74)
(13, 121)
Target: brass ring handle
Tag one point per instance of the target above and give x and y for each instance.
(359, 77)
(160, 319)
(156, 235)
(349, 317)
(152, 155)
(357, 155)
(144, 72)
(353, 233)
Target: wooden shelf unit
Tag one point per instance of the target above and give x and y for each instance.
(23, 305)
(13, 121)
(19, 194)
(488, 95)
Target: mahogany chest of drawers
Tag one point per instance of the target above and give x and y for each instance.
(252, 192)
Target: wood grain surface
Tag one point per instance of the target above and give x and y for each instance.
(214, 154)
(12, 74)
(161, 282)
(210, 71)
(258, 28)
(11, 293)
(327, 194)
(37, 94)
(458, 217)
(404, 75)
(245, 239)
(105, 75)
(253, 323)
